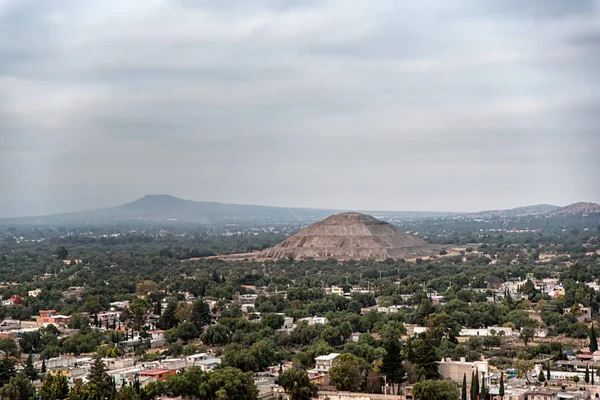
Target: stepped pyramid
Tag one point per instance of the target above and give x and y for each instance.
(350, 236)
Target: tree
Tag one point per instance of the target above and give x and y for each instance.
(296, 383)
(227, 384)
(463, 394)
(586, 378)
(61, 253)
(593, 339)
(168, 319)
(548, 371)
(29, 369)
(187, 331)
(98, 376)
(541, 376)
(200, 314)
(475, 384)
(7, 369)
(43, 366)
(9, 347)
(527, 333)
(485, 392)
(137, 313)
(436, 390)
(575, 379)
(145, 287)
(18, 388)
(54, 387)
(523, 367)
(392, 365)
(501, 388)
(424, 357)
(344, 374)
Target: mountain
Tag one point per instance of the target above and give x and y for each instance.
(537, 209)
(350, 236)
(166, 208)
(580, 208)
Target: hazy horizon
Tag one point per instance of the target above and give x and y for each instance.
(282, 206)
(340, 104)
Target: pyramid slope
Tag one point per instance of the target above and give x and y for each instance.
(350, 236)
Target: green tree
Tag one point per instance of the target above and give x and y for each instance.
(463, 391)
(227, 384)
(344, 374)
(43, 366)
(18, 388)
(61, 253)
(541, 376)
(575, 379)
(423, 356)
(98, 376)
(168, 319)
(527, 333)
(29, 369)
(54, 387)
(9, 347)
(436, 390)
(475, 385)
(7, 369)
(137, 313)
(586, 378)
(593, 339)
(501, 388)
(548, 376)
(200, 314)
(485, 392)
(79, 391)
(392, 365)
(296, 383)
(523, 367)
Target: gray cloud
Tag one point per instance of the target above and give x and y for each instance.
(345, 104)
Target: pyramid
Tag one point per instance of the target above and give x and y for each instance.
(350, 236)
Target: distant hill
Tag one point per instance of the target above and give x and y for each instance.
(525, 211)
(166, 208)
(580, 208)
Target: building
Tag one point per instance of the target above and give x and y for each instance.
(337, 290)
(12, 301)
(323, 363)
(584, 314)
(490, 331)
(34, 293)
(208, 364)
(159, 373)
(314, 320)
(455, 370)
(542, 395)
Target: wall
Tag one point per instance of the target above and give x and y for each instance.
(357, 396)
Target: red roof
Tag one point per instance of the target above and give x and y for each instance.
(155, 372)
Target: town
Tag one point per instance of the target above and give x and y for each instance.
(512, 317)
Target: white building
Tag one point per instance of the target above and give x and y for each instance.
(209, 364)
(323, 363)
(490, 331)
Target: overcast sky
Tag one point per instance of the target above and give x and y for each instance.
(379, 105)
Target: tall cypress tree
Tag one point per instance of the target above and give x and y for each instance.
(476, 383)
(587, 374)
(29, 369)
(593, 340)
(501, 389)
(485, 393)
(548, 371)
(464, 388)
